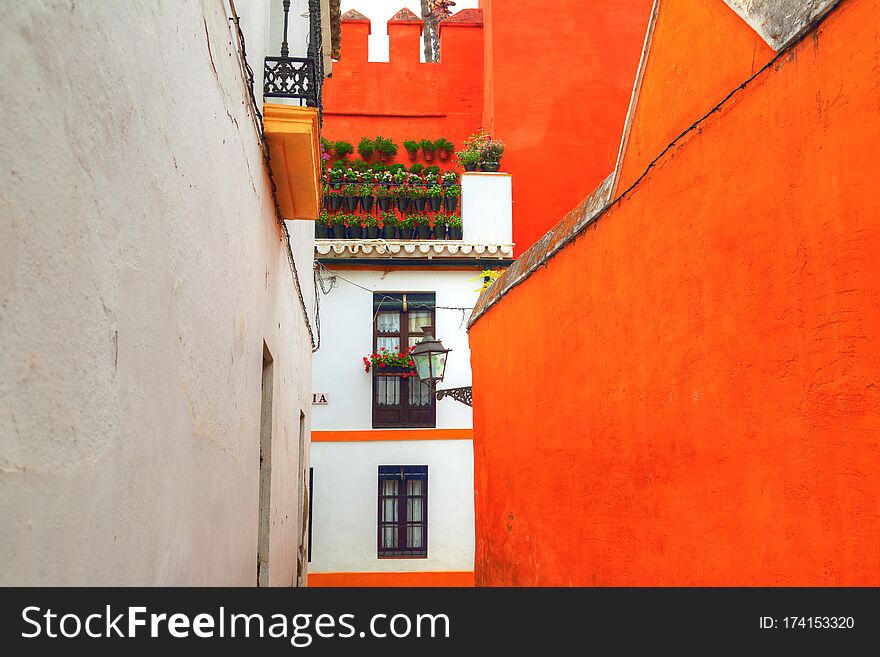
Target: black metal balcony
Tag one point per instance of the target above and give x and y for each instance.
(292, 77)
(297, 77)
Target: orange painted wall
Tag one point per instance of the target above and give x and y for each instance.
(558, 81)
(404, 99)
(701, 408)
(683, 83)
(431, 579)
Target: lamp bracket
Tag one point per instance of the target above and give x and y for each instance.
(462, 395)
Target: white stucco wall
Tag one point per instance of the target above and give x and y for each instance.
(141, 270)
(487, 208)
(344, 513)
(379, 11)
(347, 336)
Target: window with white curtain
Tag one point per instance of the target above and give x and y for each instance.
(403, 511)
(399, 398)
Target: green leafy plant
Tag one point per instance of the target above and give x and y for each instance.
(326, 144)
(365, 189)
(369, 221)
(382, 192)
(427, 146)
(324, 218)
(488, 276)
(434, 191)
(453, 190)
(417, 168)
(431, 170)
(351, 175)
(339, 165)
(342, 149)
(337, 219)
(401, 177)
(477, 140)
(402, 191)
(378, 167)
(443, 144)
(360, 166)
(450, 177)
(469, 157)
(406, 221)
(417, 192)
(352, 219)
(335, 175)
(366, 146)
(411, 146)
(395, 168)
(388, 219)
(430, 179)
(420, 220)
(385, 146)
(493, 150)
(351, 189)
(453, 220)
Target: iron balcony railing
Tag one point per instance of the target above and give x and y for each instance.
(291, 77)
(298, 77)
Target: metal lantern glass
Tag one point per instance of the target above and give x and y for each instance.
(430, 357)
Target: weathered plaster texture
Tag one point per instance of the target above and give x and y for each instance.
(780, 21)
(141, 270)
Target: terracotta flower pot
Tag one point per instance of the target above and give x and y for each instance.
(443, 154)
(428, 155)
(413, 155)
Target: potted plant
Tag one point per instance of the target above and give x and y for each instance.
(351, 192)
(384, 360)
(337, 225)
(433, 169)
(492, 152)
(383, 197)
(402, 195)
(412, 149)
(342, 149)
(417, 194)
(441, 220)
(469, 159)
(396, 168)
(360, 166)
(386, 148)
(366, 196)
(371, 227)
(451, 197)
(417, 169)
(434, 194)
(366, 148)
(335, 196)
(422, 224)
(444, 148)
(353, 222)
(428, 149)
(453, 223)
(449, 178)
(400, 177)
(322, 225)
(388, 222)
(335, 175)
(405, 226)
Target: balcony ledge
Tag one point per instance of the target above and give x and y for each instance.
(411, 249)
(295, 158)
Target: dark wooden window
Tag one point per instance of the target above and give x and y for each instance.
(401, 401)
(403, 511)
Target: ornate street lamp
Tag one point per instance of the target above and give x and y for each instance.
(429, 356)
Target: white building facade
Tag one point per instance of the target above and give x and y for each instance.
(157, 319)
(392, 467)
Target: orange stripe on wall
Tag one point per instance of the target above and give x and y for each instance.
(391, 434)
(433, 579)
